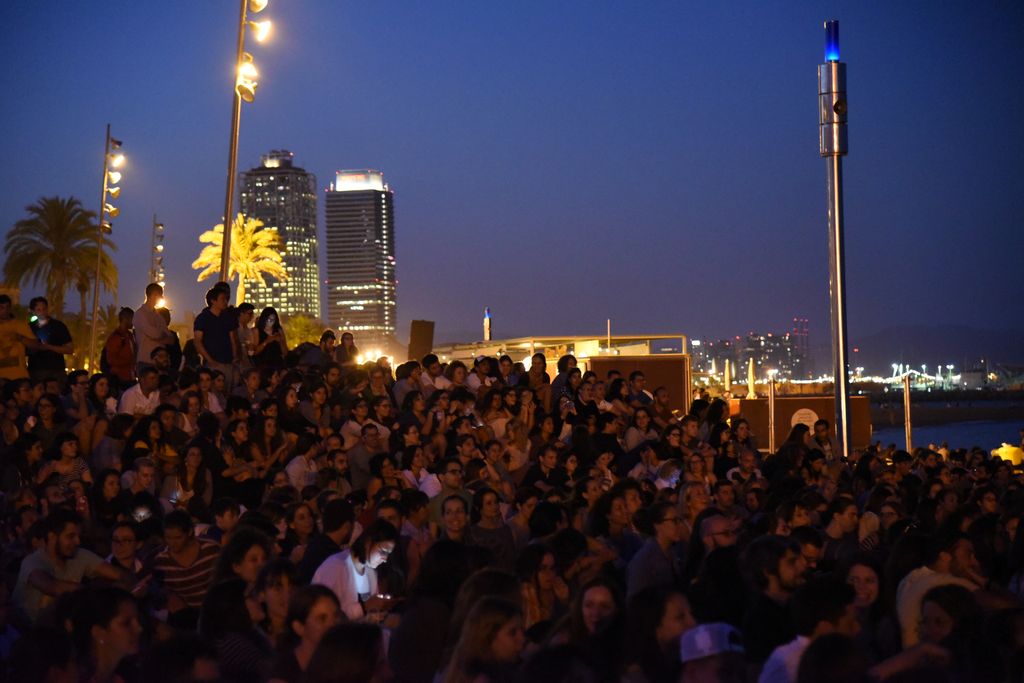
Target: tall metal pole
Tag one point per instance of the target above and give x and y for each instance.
(907, 427)
(771, 414)
(99, 253)
(236, 117)
(832, 108)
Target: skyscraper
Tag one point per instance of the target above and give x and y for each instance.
(360, 232)
(283, 196)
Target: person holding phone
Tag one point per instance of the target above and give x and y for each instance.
(271, 346)
(352, 573)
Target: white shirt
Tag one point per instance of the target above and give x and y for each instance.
(440, 383)
(339, 574)
(431, 486)
(784, 662)
(301, 472)
(134, 401)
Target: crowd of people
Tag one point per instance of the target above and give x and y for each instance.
(238, 509)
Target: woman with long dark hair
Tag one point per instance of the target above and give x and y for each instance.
(312, 611)
(350, 653)
(655, 619)
(228, 620)
(271, 346)
(106, 632)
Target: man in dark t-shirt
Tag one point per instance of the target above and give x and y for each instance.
(47, 362)
(215, 335)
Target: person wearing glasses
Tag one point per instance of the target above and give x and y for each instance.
(656, 563)
(450, 475)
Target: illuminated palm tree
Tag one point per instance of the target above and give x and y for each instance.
(56, 247)
(255, 252)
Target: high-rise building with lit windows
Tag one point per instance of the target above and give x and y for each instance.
(360, 233)
(283, 197)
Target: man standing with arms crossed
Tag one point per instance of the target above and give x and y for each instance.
(216, 335)
(151, 329)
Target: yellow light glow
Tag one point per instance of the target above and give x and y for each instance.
(159, 247)
(114, 192)
(114, 177)
(261, 29)
(247, 71)
(111, 210)
(257, 6)
(161, 302)
(116, 160)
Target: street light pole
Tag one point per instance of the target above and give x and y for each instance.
(236, 117)
(99, 253)
(832, 107)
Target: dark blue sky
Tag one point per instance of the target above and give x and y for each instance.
(652, 162)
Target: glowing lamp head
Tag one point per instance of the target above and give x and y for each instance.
(111, 210)
(257, 6)
(832, 41)
(116, 160)
(246, 83)
(261, 29)
(114, 177)
(114, 192)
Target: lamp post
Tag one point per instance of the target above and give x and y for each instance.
(245, 89)
(832, 140)
(157, 273)
(111, 160)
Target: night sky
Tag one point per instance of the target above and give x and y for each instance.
(652, 162)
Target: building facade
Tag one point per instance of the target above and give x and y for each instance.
(283, 197)
(360, 234)
(778, 352)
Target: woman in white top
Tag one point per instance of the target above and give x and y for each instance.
(414, 466)
(352, 430)
(352, 573)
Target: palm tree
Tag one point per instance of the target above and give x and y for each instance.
(255, 252)
(301, 328)
(56, 247)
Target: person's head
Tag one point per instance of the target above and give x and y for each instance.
(154, 292)
(655, 619)
(454, 515)
(217, 299)
(178, 530)
(274, 586)
(145, 473)
(946, 610)
(226, 513)
(842, 515)
(597, 604)
(375, 544)
(338, 517)
(243, 556)
(312, 611)
(774, 565)
(824, 605)
(953, 553)
(493, 634)
(124, 542)
(717, 531)
(63, 533)
(106, 625)
(452, 473)
(536, 564)
(811, 544)
(349, 653)
(864, 575)
(838, 658)
(182, 658)
(149, 379)
(227, 610)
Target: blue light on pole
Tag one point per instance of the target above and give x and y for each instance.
(832, 41)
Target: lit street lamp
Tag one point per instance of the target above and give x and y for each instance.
(107, 210)
(244, 90)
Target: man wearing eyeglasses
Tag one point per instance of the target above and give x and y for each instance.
(450, 475)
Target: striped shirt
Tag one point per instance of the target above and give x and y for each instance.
(188, 583)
